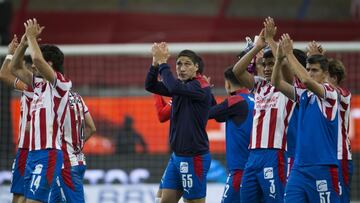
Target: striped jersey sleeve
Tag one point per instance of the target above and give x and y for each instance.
(344, 148)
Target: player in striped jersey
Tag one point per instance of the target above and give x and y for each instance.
(18, 168)
(50, 102)
(314, 176)
(336, 76)
(264, 175)
(78, 127)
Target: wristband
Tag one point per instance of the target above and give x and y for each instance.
(9, 56)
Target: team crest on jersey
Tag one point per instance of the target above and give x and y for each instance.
(321, 185)
(184, 167)
(268, 173)
(38, 169)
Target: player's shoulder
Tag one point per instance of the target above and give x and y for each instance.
(343, 91)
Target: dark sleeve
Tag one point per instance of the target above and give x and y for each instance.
(219, 112)
(213, 100)
(191, 89)
(153, 85)
(228, 109)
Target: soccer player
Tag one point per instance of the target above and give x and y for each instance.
(264, 176)
(78, 127)
(336, 77)
(186, 172)
(50, 102)
(314, 176)
(237, 112)
(18, 169)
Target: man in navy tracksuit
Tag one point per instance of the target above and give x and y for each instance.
(237, 112)
(186, 172)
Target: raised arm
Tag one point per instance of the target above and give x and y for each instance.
(5, 72)
(299, 70)
(277, 78)
(244, 77)
(269, 32)
(33, 30)
(151, 82)
(17, 63)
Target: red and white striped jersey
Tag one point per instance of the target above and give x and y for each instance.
(272, 112)
(24, 121)
(327, 104)
(74, 131)
(344, 148)
(48, 109)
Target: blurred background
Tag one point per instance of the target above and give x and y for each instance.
(130, 149)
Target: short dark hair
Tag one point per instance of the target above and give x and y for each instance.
(337, 68)
(230, 76)
(28, 60)
(268, 53)
(196, 59)
(300, 56)
(53, 54)
(320, 59)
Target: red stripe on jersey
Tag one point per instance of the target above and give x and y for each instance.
(55, 121)
(27, 132)
(83, 130)
(268, 90)
(331, 101)
(78, 129)
(26, 140)
(33, 130)
(259, 128)
(52, 158)
(73, 128)
(273, 115)
(344, 136)
(60, 91)
(237, 180)
(234, 100)
(344, 105)
(328, 112)
(198, 166)
(43, 133)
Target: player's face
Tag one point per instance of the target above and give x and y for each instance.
(185, 68)
(268, 66)
(316, 72)
(33, 69)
